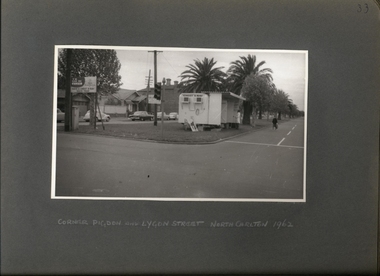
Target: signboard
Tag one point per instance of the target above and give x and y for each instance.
(153, 100)
(83, 85)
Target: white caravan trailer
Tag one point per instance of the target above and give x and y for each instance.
(209, 108)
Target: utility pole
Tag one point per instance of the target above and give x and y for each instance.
(68, 101)
(96, 103)
(147, 94)
(162, 108)
(155, 82)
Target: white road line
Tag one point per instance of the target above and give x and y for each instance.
(289, 132)
(261, 144)
(281, 141)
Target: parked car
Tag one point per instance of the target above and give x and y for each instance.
(101, 117)
(141, 115)
(166, 116)
(60, 116)
(173, 116)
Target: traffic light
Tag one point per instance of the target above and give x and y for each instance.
(157, 91)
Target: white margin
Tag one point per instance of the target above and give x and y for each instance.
(305, 121)
(54, 131)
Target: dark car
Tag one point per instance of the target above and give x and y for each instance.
(141, 115)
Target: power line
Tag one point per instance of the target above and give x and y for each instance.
(171, 66)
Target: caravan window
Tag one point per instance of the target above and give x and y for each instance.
(198, 100)
(185, 99)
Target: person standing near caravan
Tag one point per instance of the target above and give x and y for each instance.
(274, 122)
(238, 119)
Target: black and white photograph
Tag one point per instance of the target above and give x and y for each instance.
(179, 124)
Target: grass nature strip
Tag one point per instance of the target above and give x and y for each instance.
(172, 132)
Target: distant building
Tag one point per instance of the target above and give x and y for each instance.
(122, 102)
(131, 99)
(126, 101)
(80, 100)
(119, 97)
(171, 97)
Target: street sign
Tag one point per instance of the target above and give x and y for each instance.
(83, 85)
(152, 100)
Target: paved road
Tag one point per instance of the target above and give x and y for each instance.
(265, 164)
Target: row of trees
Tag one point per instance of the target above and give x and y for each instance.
(244, 77)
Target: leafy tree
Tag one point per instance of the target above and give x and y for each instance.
(258, 91)
(238, 72)
(104, 64)
(265, 103)
(202, 76)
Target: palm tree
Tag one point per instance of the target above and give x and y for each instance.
(280, 102)
(202, 76)
(239, 71)
(293, 109)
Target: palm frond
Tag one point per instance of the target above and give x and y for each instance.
(201, 76)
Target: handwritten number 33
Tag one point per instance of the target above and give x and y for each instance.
(360, 8)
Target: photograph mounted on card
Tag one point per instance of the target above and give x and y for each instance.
(180, 124)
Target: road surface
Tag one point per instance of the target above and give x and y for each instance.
(264, 164)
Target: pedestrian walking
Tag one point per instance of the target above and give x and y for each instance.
(274, 122)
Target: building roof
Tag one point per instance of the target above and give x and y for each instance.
(61, 94)
(123, 94)
(134, 100)
(139, 98)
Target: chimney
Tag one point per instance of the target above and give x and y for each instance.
(175, 83)
(168, 81)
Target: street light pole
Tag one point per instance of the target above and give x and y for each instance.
(147, 94)
(155, 82)
(162, 108)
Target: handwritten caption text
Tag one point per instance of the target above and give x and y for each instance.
(277, 224)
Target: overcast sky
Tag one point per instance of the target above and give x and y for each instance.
(289, 67)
